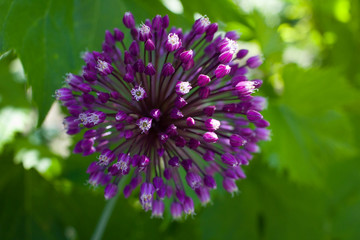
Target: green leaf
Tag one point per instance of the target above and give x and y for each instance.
(309, 129)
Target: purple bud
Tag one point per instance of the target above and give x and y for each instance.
(209, 181)
(203, 80)
(180, 195)
(193, 180)
(203, 195)
(109, 38)
(134, 33)
(157, 23)
(237, 140)
(174, 161)
(190, 122)
(150, 70)
(254, 62)
(209, 111)
(253, 115)
(212, 124)
(103, 97)
(176, 114)
(158, 182)
(239, 172)
(165, 21)
(180, 102)
(127, 191)
(252, 147)
(110, 191)
(167, 69)
(193, 143)
(134, 49)
(93, 167)
(149, 45)
(210, 137)
(157, 208)
(242, 53)
(155, 113)
(118, 35)
(162, 191)
(262, 134)
(139, 66)
(120, 116)
(262, 123)
(180, 142)
(186, 56)
(129, 20)
(233, 35)
(229, 159)
(129, 77)
(163, 138)
(176, 210)
(229, 185)
(186, 164)
(244, 88)
(135, 181)
(221, 71)
(63, 94)
(78, 148)
(225, 57)
(188, 206)
(212, 29)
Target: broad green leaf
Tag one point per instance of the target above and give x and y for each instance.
(309, 130)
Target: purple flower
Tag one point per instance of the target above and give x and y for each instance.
(159, 107)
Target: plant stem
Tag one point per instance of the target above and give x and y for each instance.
(106, 213)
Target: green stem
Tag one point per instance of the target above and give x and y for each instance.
(101, 225)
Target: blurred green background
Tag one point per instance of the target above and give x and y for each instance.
(305, 184)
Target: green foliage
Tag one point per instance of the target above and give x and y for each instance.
(304, 185)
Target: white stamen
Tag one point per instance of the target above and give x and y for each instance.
(144, 29)
(102, 65)
(173, 39)
(144, 124)
(205, 21)
(138, 93)
(104, 160)
(185, 87)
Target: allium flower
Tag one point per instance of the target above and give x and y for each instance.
(171, 110)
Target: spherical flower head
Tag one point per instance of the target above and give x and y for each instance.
(138, 93)
(159, 102)
(183, 88)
